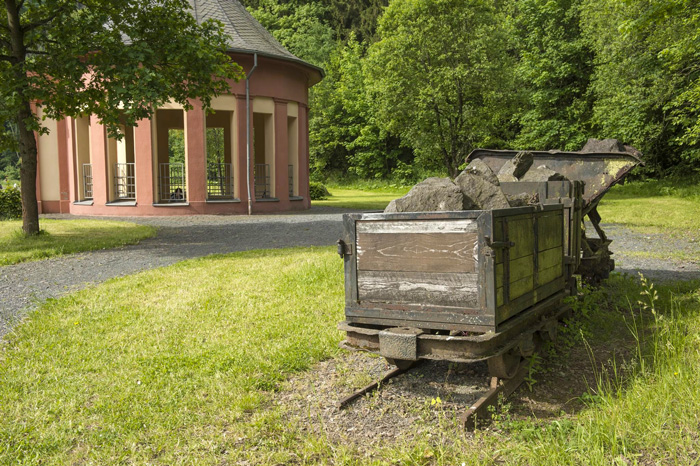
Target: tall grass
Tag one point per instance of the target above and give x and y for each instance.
(644, 410)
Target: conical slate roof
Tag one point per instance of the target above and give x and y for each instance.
(245, 33)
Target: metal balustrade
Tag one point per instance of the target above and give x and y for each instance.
(87, 181)
(219, 181)
(124, 181)
(262, 181)
(171, 182)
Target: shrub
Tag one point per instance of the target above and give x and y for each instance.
(318, 191)
(10, 203)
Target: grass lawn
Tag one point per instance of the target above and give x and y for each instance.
(165, 366)
(671, 207)
(65, 237)
(361, 198)
(181, 365)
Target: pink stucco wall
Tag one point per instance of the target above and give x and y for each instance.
(284, 82)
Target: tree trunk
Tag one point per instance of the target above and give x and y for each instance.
(27, 140)
(28, 172)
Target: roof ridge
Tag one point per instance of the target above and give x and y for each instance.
(245, 33)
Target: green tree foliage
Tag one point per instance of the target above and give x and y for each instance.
(215, 145)
(358, 17)
(441, 77)
(176, 146)
(10, 203)
(9, 159)
(344, 134)
(647, 77)
(298, 26)
(445, 76)
(115, 59)
(554, 71)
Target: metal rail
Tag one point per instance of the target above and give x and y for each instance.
(124, 181)
(262, 181)
(478, 413)
(171, 183)
(369, 388)
(87, 181)
(219, 181)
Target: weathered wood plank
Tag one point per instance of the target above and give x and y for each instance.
(552, 273)
(521, 232)
(418, 226)
(426, 318)
(521, 287)
(440, 289)
(550, 231)
(550, 258)
(499, 275)
(521, 268)
(417, 252)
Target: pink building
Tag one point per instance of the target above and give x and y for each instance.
(187, 162)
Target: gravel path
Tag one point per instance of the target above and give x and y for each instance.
(23, 286)
(632, 249)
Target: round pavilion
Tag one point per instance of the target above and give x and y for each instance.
(189, 162)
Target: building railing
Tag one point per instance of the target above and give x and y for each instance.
(290, 177)
(171, 182)
(124, 181)
(87, 181)
(262, 181)
(219, 181)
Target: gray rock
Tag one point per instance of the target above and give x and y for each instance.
(432, 194)
(480, 194)
(506, 178)
(542, 173)
(521, 200)
(479, 167)
(516, 167)
(603, 145)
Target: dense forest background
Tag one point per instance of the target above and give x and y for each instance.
(412, 86)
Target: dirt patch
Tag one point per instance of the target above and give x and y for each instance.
(430, 396)
(411, 404)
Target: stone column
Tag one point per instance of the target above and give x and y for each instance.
(143, 163)
(62, 138)
(240, 150)
(304, 154)
(100, 172)
(195, 127)
(281, 151)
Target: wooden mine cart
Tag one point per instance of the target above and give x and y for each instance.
(477, 285)
(460, 286)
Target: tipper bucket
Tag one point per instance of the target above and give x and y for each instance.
(599, 171)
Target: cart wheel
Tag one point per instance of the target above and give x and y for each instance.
(505, 365)
(403, 364)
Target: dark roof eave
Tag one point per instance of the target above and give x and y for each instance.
(299, 61)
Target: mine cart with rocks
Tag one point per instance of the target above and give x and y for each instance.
(478, 268)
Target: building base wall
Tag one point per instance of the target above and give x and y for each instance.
(191, 208)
